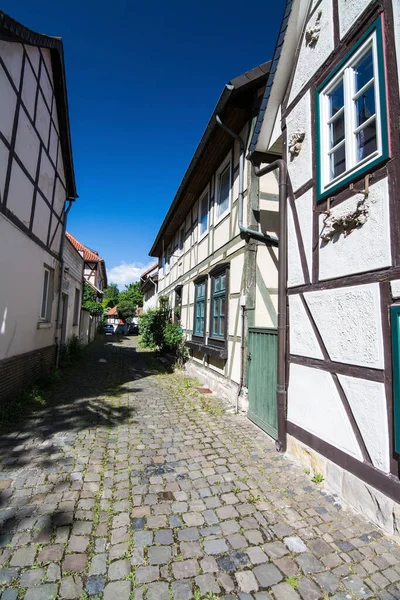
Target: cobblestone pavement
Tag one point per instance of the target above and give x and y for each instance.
(134, 486)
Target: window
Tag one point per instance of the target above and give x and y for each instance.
(178, 304)
(203, 214)
(218, 304)
(351, 115)
(77, 306)
(222, 190)
(45, 308)
(199, 308)
(181, 240)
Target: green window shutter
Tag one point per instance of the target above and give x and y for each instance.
(395, 315)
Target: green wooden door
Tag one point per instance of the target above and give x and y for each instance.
(395, 313)
(262, 363)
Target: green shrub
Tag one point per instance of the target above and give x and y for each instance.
(172, 336)
(151, 327)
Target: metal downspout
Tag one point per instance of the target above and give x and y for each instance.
(258, 235)
(62, 268)
(281, 391)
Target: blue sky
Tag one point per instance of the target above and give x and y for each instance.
(143, 79)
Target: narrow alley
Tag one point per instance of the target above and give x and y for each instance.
(133, 485)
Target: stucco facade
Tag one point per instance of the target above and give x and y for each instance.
(72, 290)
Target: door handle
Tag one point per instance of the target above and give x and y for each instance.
(249, 356)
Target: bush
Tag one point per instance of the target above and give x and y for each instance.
(172, 336)
(151, 327)
(71, 352)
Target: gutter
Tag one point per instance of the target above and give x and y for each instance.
(62, 270)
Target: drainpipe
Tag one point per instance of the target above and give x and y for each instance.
(249, 233)
(62, 269)
(243, 308)
(281, 391)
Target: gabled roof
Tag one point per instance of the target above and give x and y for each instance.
(233, 90)
(15, 32)
(112, 312)
(88, 254)
(150, 270)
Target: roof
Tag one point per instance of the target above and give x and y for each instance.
(88, 254)
(236, 86)
(149, 270)
(113, 311)
(15, 32)
(275, 60)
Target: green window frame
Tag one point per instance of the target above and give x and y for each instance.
(395, 323)
(351, 115)
(199, 309)
(218, 305)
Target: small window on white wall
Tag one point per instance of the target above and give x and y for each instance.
(45, 308)
(222, 190)
(203, 214)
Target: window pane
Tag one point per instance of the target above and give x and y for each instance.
(364, 70)
(45, 295)
(222, 326)
(217, 284)
(223, 278)
(222, 306)
(338, 162)
(223, 192)
(365, 105)
(336, 130)
(204, 214)
(366, 141)
(336, 99)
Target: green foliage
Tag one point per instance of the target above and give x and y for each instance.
(111, 295)
(318, 478)
(292, 580)
(71, 352)
(151, 326)
(89, 300)
(126, 310)
(172, 335)
(132, 293)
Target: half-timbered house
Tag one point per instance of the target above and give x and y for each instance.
(217, 251)
(95, 268)
(37, 187)
(149, 286)
(333, 100)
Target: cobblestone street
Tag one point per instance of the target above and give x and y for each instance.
(132, 485)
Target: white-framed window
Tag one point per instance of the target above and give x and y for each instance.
(351, 115)
(222, 201)
(45, 307)
(204, 205)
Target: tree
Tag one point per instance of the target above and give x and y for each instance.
(111, 296)
(89, 300)
(132, 293)
(126, 310)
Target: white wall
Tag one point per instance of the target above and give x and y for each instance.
(21, 292)
(73, 280)
(350, 12)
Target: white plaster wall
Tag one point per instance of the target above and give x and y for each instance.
(395, 287)
(27, 144)
(236, 274)
(366, 248)
(22, 270)
(295, 271)
(350, 12)
(349, 321)
(41, 219)
(20, 194)
(8, 103)
(29, 89)
(234, 361)
(11, 53)
(368, 404)
(304, 206)
(312, 57)
(300, 166)
(234, 324)
(303, 340)
(3, 161)
(221, 233)
(315, 405)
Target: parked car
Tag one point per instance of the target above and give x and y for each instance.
(108, 328)
(133, 329)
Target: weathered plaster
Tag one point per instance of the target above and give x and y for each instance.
(300, 165)
(349, 12)
(368, 404)
(8, 104)
(395, 287)
(304, 206)
(20, 188)
(29, 89)
(315, 405)
(303, 340)
(365, 248)
(311, 57)
(295, 270)
(349, 321)
(27, 144)
(11, 53)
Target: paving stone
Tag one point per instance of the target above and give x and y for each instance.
(47, 591)
(71, 587)
(295, 544)
(226, 564)
(229, 527)
(159, 555)
(119, 569)
(185, 569)
(215, 546)
(142, 538)
(308, 590)
(95, 585)
(246, 581)
(182, 590)
(138, 523)
(10, 594)
(191, 549)
(53, 552)
(226, 582)
(328, 582)
(98, 565)
(7, 574)
(32, 577)
(175, 521)
(256, 555)
(267, 575)
(74, 562)
(275, 549)
(164, 537)
(117, 589)
(189, 534)
(53, 573)
(209, 564)
(147, 574)
(157, 591)
(237, 541)
(357, 586)
(309, 564)
(78, 543)
(24, 557)
(283, 591)
(262, 596)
